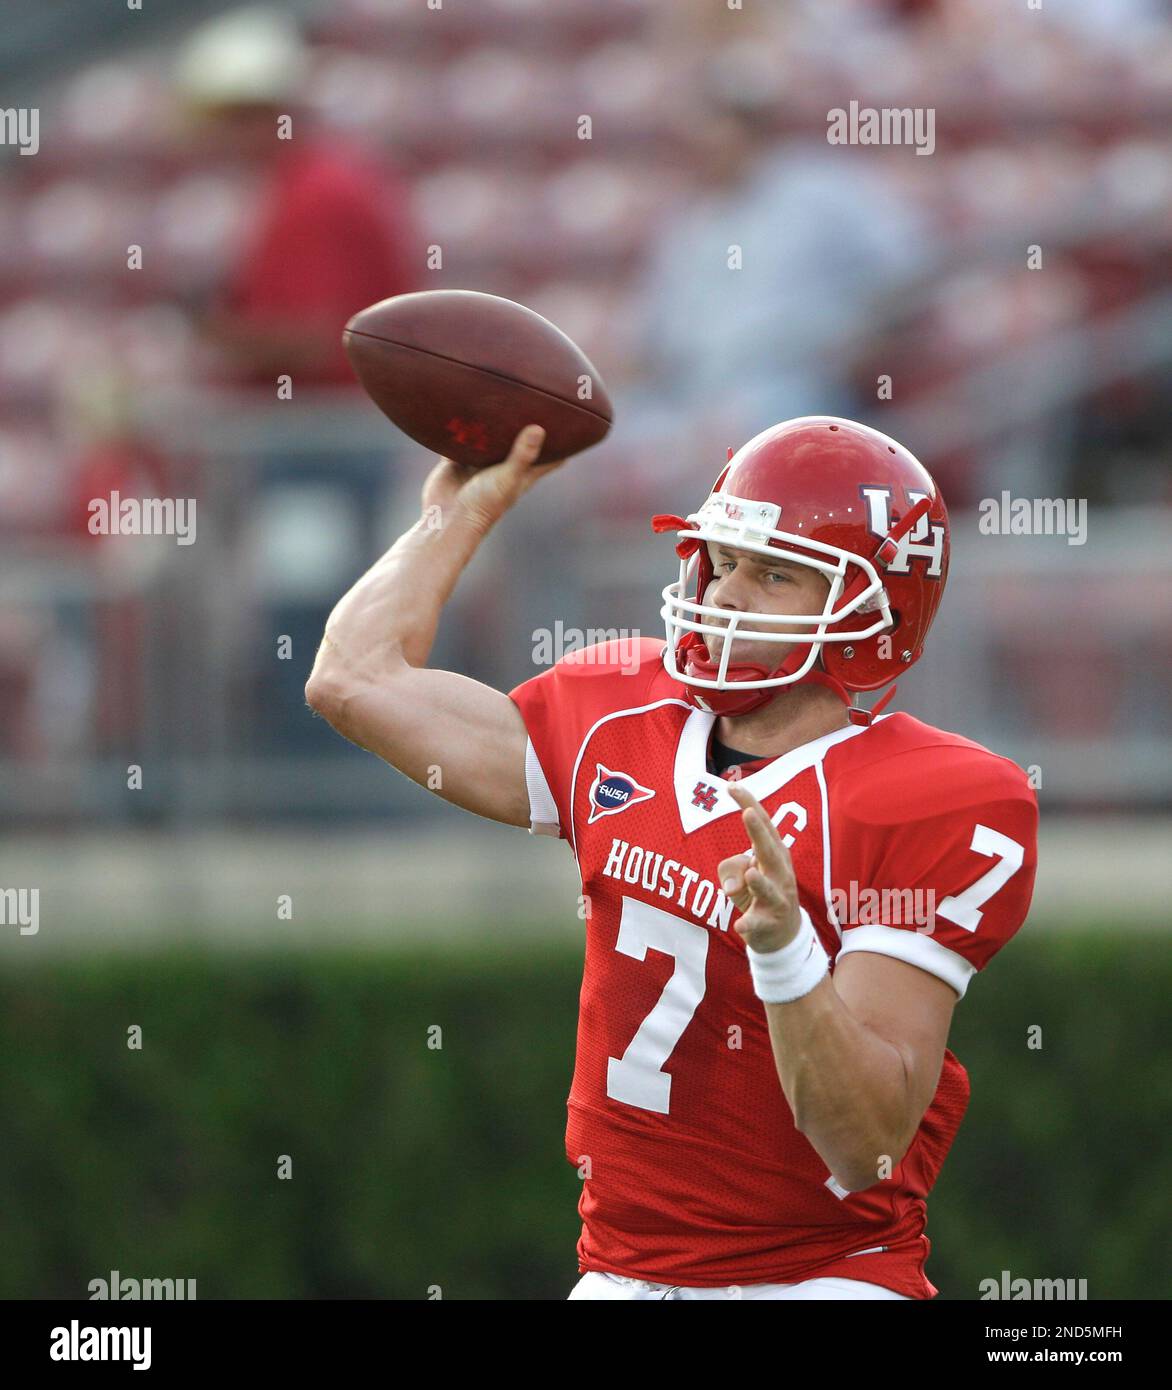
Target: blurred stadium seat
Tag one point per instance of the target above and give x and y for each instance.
(1050, 132)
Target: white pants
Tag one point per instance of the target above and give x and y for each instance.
(595, 1285)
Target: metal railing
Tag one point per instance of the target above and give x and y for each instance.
(1044, 650)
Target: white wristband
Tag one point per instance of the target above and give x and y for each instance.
(785, 975)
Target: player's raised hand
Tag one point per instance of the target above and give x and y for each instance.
(761, 883)
(481, 496)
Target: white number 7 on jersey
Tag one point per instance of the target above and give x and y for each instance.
(638, 1078)
(965, 908)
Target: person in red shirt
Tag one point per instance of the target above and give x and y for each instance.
(328, 233)
(332, 230)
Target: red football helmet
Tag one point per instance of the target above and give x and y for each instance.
(839, 497)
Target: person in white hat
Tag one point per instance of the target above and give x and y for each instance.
(332, 233)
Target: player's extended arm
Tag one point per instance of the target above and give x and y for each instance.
(457, 737)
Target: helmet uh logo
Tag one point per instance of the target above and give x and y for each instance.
(924, 541)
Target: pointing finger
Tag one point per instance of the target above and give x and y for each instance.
(766, 842)
(768, 849)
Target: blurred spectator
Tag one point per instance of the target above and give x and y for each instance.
(758, 289)
(856, 264)
(331, 232)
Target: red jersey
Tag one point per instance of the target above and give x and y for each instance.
(906, 841)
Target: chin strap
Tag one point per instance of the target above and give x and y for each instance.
(863, 717)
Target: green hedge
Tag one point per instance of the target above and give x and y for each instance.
(415, 1167)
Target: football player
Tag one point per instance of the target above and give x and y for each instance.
(786, 894)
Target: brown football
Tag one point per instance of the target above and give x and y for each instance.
(462, 372)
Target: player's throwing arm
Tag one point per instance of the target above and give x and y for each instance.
(369, 680)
